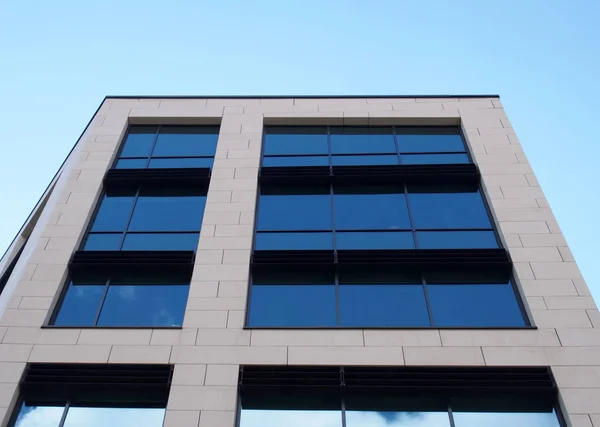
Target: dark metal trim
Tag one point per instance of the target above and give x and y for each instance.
(292, 96)
(158, 177)
(181, 261)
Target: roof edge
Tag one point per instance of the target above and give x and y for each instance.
(290, 96)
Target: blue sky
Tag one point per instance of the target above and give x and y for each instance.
(60, 58)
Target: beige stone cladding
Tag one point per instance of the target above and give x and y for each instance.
(207, 351)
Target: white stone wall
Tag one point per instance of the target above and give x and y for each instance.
(212, 344)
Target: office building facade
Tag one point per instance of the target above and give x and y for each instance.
(296, 261)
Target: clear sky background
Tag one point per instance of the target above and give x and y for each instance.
(59, 58)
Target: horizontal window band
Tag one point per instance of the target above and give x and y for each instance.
(97, 383)
(446, 173)
(407, 257)
(401, 379)
(161, 177)
(113, 261)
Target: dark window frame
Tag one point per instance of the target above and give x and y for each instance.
(395, 132)
(88, 231)
(149, 158)
(422, 273)
(412, 229)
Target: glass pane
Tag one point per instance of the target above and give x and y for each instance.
(139, 141)
(397, 419)
(190, 162)
(474, 305)
(357, 141)
(277, 144)
(161, 242)
(370, 211)
(114, 211)
(434, 159)
(39, 416)
(456, 240)
(374, 240)
(103, 242)
(293, 241)
(296, 161)
(292, 305)
(168, 213)
(132, 163)
(383, 305)
(503, 419)
(80, 305)
(114, 417)
(274, 418)
(430, 143)
(186, 141)
(364, 160)
(294, 212)
(139, 305)
(448, 210)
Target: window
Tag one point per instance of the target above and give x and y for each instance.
(133, 299)
(396, 397)
(157, 147)
(354, 297)
(349, 146)
(363, 217)
(147, 218)
(92, 395)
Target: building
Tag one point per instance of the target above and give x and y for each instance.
(280, 261)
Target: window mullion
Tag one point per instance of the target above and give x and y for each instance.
(101, 306)
(410, 216)
(63, 418)
(427, 303)
(451, 416)
(153, 146)
(137, 196)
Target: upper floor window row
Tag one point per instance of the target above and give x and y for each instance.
(349, 146)
(373, 217)
(147, 218)
(156, 147)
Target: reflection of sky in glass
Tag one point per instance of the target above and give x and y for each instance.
(42, 416)
(479, 419)
(396, 419)
(267, 418)
(39, 416)
(115, 417)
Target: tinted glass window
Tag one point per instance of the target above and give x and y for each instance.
(364, 160)
(296, 161)
(360, 140)
(447, 209)
(280, 418)
(161, 212)
(139, 142)
(293, 241)
(138, 305)
(514, 419)
(189, 162)
(132, 163)
(103, 242)
(423, 143)
(114, 417)
(161, 241)
(294, 212)
(31, 415)
(370, 211)
(383, 305)
(431, 159)
(295, 141)
(186, 141)
(397, 419)
(80, 305)
(456, 239)
(292, 305)
(374, 240)
(114, 211)
(474, 305)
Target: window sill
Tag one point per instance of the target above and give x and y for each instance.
(383, 328)
(109, 327)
